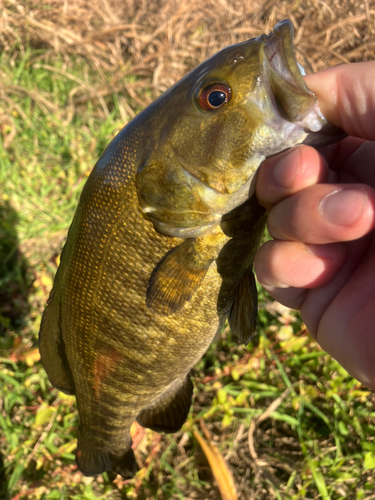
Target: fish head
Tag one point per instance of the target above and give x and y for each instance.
(245, 103)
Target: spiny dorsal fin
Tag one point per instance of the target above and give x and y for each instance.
(170, 411)
(175, 279)
(243, 315)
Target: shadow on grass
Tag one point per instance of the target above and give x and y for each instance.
(14, 282)
(4, 494)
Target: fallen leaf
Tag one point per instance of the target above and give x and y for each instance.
(218, 465)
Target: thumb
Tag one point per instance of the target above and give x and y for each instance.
(346, 97)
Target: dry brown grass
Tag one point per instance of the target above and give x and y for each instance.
(160, 40)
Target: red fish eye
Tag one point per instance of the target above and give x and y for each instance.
(214, 96)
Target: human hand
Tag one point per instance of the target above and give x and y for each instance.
(322, 219)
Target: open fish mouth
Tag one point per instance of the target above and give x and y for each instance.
(293, 99)
(279, 49)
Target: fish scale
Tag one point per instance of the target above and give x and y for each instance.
(160, 251)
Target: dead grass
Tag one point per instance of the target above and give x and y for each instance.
(159, 41)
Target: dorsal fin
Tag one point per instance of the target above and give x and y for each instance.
(52, 347)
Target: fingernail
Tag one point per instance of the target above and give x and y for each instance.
(344, 207)
(287, 168)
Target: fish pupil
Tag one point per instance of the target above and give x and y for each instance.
(217, 98)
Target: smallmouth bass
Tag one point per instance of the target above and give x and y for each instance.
(160, 251)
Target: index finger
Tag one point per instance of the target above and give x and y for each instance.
(346, 96)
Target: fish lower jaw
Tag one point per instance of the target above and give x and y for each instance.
(285, 73)
(312, 121)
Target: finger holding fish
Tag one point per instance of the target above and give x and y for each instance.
(289, 172)
(335, 213)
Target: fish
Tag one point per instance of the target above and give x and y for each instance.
(160, 251)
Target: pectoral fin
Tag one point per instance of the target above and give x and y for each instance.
(181, 271)
(170, 411)
(243, 315)
(174, 281)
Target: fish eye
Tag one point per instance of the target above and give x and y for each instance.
(214, 95)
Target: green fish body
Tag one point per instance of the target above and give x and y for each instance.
(161, 248)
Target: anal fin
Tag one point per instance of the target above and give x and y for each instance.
(243, 315)
(169, 412)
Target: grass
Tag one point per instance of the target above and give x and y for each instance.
(287, 419)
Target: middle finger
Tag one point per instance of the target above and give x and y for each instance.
(324, 213)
